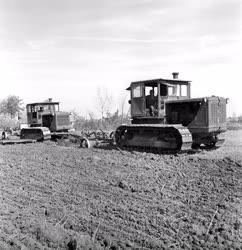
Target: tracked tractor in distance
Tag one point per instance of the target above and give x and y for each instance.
(45, 121)
(165, 117)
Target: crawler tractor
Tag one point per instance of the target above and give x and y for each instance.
(165, 117)
(45, 120)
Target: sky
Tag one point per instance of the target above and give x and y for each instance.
(68, 49)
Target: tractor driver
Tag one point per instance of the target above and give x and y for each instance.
(151, 103)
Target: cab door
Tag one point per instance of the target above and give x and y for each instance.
(137, 100)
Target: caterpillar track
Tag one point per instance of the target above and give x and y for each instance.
(35, 133)
(154, 136)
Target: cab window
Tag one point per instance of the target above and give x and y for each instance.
(163, 90)
(183, 90)
(28, 109)
(148, 89)
(173, 90)
(137, 91)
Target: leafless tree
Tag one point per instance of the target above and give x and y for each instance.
(91, 115)
(104, 102)
(123, 103)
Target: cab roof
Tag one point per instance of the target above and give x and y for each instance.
(42, 103)
(154, 82)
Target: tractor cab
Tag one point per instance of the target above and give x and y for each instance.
(40, 114)
(148, 97)
(48, 114)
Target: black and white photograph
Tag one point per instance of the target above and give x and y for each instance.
(120, 124)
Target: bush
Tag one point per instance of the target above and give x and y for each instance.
(234, 126)
(6, 122)
(109, 123)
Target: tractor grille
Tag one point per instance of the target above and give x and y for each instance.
(63, 120)
(217, 112)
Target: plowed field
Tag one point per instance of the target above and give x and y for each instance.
(59, 197)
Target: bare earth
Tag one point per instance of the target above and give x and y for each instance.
(57, 197)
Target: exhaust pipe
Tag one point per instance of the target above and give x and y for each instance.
(175, 75)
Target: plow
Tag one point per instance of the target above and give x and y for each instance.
(87, 138)
(83, 138)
